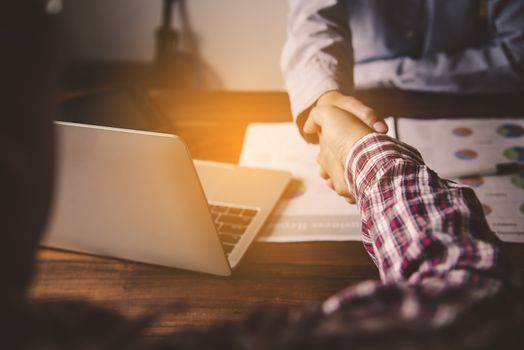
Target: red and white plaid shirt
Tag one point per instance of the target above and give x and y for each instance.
(440, 265)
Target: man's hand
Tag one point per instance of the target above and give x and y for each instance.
(337, 130)
(350, 104)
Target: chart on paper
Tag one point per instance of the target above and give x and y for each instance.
(452, 146)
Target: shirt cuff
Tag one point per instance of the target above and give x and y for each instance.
(305, 86)
(369, 158)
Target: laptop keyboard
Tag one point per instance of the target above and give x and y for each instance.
(231, 223)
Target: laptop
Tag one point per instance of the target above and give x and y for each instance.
(137, 195)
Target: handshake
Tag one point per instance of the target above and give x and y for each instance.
(340, 121)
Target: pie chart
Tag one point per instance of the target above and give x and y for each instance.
(462, 131)
(472, 181)
(466, 154)
(518, 180)
(487, 209)
(510, 130)
(515, 154)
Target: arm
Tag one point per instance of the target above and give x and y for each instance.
(317, 62)
(495, 67)
(439, 262)
(317, 56)
(418, 228)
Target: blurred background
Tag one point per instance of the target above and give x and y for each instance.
(220, 44)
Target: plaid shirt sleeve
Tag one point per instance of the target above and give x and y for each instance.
(417, 227)
(440, 265)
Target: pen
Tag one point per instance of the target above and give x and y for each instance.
(488, 170)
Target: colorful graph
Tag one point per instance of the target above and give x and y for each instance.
(466, 154)
(472, 181)
(518, 180)
(487, 209)
(515, 154)
(510, 130)
(462, 131)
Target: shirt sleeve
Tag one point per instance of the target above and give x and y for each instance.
(498, 66)
(416, 226)
(317, 56)
(440, 264)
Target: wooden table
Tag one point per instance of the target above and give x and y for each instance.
(283, 275)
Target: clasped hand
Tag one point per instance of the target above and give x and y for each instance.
(339, 121)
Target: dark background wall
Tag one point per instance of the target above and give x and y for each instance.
(239, 40)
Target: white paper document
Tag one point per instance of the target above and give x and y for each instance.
(310, 210)
(455, 146)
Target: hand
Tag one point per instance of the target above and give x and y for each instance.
(338, 130)
(350, 104)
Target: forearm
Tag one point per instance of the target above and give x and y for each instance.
(317, 55)
(416, 226)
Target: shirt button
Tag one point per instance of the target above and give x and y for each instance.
(410, 34)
